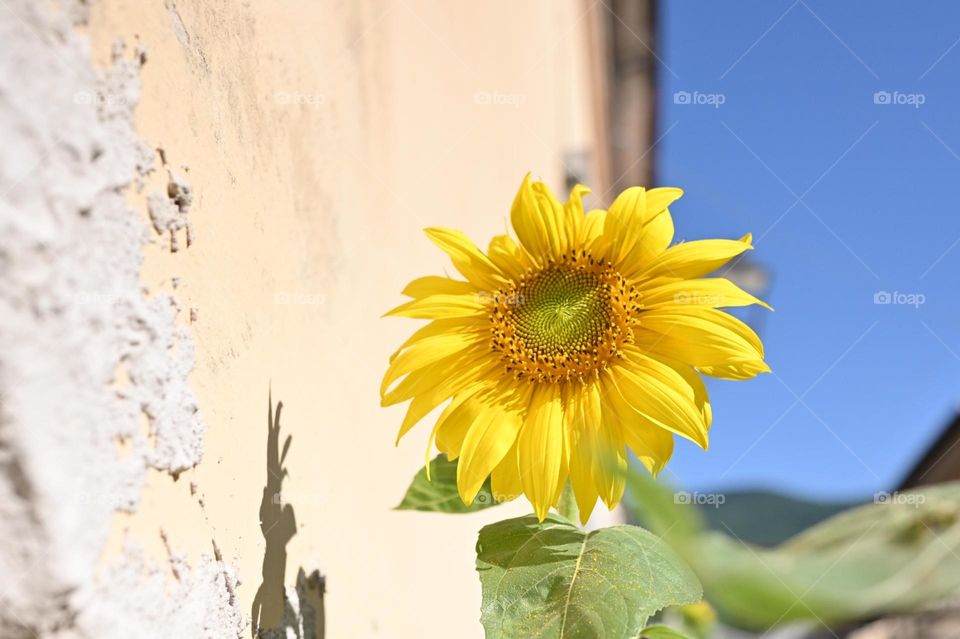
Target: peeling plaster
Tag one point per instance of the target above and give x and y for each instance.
(201, 603)
(168, 211)
(73, 313)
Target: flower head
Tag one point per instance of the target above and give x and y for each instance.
(562, 351)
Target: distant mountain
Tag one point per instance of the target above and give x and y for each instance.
(767, 518)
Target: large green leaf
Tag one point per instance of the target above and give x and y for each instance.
(439, 493)
(897, 556)
(556, 581)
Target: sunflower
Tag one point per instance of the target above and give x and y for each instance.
(558, 353)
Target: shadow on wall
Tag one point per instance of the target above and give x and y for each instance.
(275, 612)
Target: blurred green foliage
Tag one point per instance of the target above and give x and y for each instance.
(899, 555)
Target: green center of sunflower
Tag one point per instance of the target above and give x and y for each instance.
(561, 311)
(563, 322)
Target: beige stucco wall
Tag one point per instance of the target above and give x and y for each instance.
(318, 139)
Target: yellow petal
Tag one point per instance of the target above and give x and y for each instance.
(425, 352)
(738, 370)
(693, 387)
(554, 218)
(472, 263)
(639, 226)
(656, 237)
(657, 231)
(536, 217)
(655, 400)
(574, 217)
(437, 285)
(449, 426)
(624, 222)
(505, 478)
(468, 325)
(604, 445)
(440, 307)
(695, 259)
(508, 256)
(711, 292)
(660, 198)
(591, 233)
(582, 444)
(421, 381)
(541, 449)
(700, 337)
(452, 430)
(487, 442)
(431, 386)
(652, 444)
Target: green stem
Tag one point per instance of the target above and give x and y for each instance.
(567, 506)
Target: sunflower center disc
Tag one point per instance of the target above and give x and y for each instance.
(563, 323)
(561, 312)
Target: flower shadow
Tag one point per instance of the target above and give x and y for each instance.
(275, 611)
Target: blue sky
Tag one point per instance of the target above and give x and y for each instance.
(845, 197)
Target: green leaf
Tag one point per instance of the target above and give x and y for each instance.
(661, 632)
(439, 493)
(895, 556)
(554, 580)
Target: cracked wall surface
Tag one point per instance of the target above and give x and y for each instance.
(90, 364)
(205, 208)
